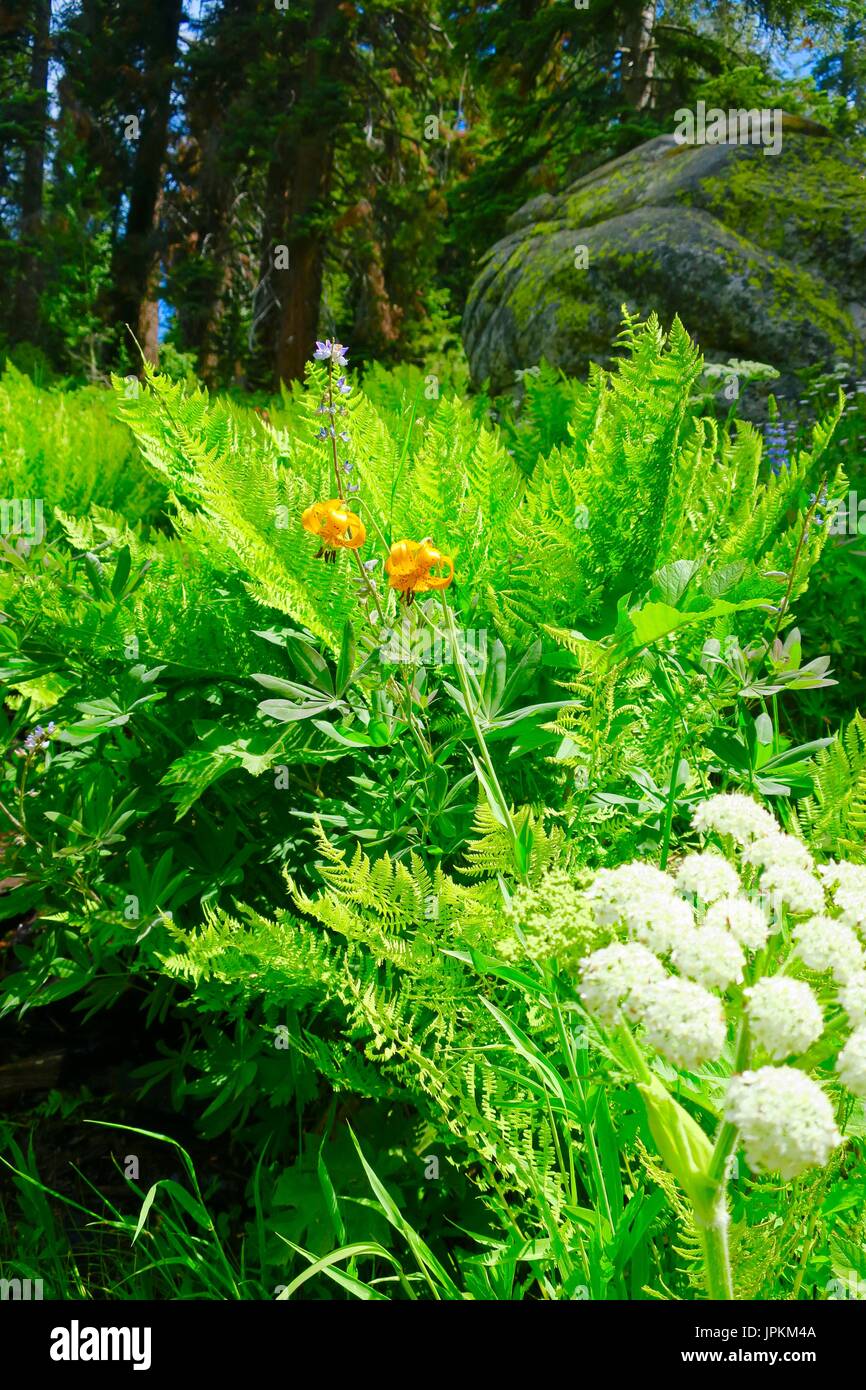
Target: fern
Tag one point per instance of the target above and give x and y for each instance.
(833, 818)
(489, 851)
(65, 448)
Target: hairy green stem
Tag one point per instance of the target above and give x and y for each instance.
(712, 1233)
(717, 1261)
(714, 1236)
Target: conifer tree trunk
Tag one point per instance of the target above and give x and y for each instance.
(136, 261)
(639, 56)
(299, 289)
(299, 179)
(25, 318)
(213, 242)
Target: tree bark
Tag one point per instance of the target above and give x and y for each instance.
(299, 288)
(286, 305)
(137, 257)
(209, 243)
(25, 318)
(639, 56)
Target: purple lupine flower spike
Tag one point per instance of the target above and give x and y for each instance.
(38, 737)
(331, 352)
(776, 437)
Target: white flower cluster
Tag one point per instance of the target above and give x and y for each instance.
(644, 900)
(852, 997)
(851, 1063)
(788, 867)
(785, 1119)
(707, 877)
(784, 1015)
(683, 1021)
(614, 891)
(848, 885)
(745, 920)
(829, 946)
(778, 851)
(799, 890)
(615, 978)
(703, 921)
(710, 955)
(732, 813)
(787, 871)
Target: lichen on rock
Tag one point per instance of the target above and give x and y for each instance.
(763, 256)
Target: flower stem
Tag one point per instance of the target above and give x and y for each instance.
(712, 1233)
(714, 1236)
(727, 1135)
(332, 427)
(786, 601)
(717, 1261)
(369, 585)
(671, 802)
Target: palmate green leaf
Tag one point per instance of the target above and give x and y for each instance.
(219, 751)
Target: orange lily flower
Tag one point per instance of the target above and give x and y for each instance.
(409, 567)
(335, 526)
